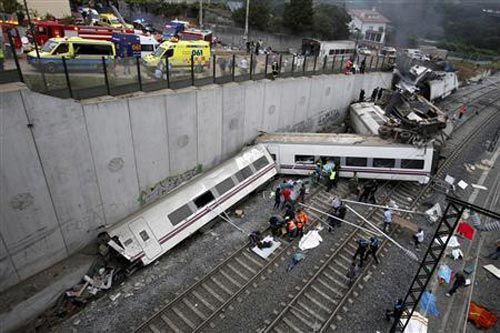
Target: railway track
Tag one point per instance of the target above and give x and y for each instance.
(483, 90)
(317, 306)
(197, 306)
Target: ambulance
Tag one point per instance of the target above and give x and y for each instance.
(179, 54)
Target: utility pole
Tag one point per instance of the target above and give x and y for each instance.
(201, 14)
(246, 20)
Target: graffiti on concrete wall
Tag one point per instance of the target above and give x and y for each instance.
(166, 185)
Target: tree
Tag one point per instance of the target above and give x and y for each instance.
(331, 22)
(258, 16)
(9, 6)
(298, 15)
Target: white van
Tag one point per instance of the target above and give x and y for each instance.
(416, 54)
(148, 45)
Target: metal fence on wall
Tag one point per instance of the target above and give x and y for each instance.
(127, 75)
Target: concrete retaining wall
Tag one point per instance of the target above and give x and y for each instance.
(81, 165)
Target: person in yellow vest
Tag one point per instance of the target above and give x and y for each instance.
(331, 179)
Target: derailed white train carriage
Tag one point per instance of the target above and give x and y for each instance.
(369, 156)
(155, 229)
(442, 87)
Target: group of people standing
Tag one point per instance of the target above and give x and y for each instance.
(350, 67)
(286, 195)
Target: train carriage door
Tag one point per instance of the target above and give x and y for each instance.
(142, 232)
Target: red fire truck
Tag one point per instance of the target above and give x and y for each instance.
(53, 29)
(16, 38)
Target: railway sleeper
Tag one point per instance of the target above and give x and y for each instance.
(245, 265)
(222, 286)
(323, 294)
(317, 303)
(184, 318)
(170, 323)
(310, 311)
(238, 272)
(302, 317)
(194, 308)
(291, 324)
(203, 301)
(213, 293)
(335, 280)
(338, 293)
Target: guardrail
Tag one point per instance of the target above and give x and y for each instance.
(65, 78)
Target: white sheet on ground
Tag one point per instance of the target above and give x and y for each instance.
(417, 324)
(264, 253)
(463, 185)
(310, 240)
(452, 243)
(493, 270)
(434, 213)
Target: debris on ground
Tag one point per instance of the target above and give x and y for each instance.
(239, 213)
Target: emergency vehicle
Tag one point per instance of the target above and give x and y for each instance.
(55, 29)
(179, 54)
(109, 20)
(5, 27)
(80, 54)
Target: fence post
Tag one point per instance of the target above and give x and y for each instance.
(314, 66)
(251, 65)
(293, 63)
(371, 60)
(214, 62)
(304, 66)
(281, 61)
(383, 60)
(324, 64)
(192, 69)
(167, 63)
(265, 68)
(106, 81)
(376, 64)
(14, 54)
(333, 63)
(139, 78)
(232, 67)
(66, 74)
(341, 63)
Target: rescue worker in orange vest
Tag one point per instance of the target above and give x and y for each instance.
(301, 220)
(348, 67)
(291, 227)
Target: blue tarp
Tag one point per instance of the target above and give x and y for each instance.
(444, 273)
(428, 304)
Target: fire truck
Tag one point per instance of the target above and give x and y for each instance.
(5, 27)
(54, 29)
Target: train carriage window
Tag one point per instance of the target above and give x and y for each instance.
(356, 161)
(304, 159)
(326, 159)
(144, 235)
(384, 162)
(260, 163)
(273, 156)
(128, 242)
(204, 199)
(244, 173)
(224, 186)
(412, 164)
(180, 214)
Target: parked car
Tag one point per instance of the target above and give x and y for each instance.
(364, 51)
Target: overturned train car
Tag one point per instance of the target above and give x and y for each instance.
(151, 232)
